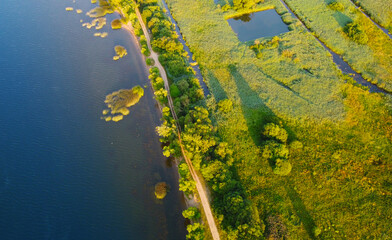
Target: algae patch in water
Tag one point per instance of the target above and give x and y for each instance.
(102, 35)
(98, 23)
(118, 103)
(161, 189)
(99, 11)
(120, 52)
(116, 24)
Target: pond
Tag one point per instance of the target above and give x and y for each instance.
(259, 24)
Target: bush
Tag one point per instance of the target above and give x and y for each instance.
(282, 167)
(272, 130)
(356, 33)
(336, 6)
(150, 61)
(195, 232)
(192, 213)
(225, 105)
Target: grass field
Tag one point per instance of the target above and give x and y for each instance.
(373, 59)
(379, 10)
(339, 187)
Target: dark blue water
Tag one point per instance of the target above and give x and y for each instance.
(259, 24)
(64, 172)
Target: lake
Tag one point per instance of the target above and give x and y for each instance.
(256, 25)
(64, 172)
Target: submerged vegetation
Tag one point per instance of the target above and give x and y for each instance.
(116, 24)
(161, 190)
(287, 145)
(118, 103)
(120, 52)
(98, 23)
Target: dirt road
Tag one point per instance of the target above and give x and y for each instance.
(201, 191)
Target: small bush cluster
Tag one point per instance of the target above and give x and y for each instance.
(275, 149)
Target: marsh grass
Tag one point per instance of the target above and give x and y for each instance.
(119, 102)
(379, 10)
(98, 23)
(339, 136)
(116, 24)
(373, 59)
(120, 52)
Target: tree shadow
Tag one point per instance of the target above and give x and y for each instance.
(300, 209)
(255, 111)
(215, 87)
(341, 18)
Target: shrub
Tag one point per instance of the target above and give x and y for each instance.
(192, 213)
(282, 167)
(195, 232)
(225, 105)
(356, 33)
(272, 130)
(150, 61)
(336, 6)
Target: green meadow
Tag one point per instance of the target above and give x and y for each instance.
(339, 135)
(371, 56)
(379, 10)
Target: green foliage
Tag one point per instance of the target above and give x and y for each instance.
(150, 61)
(356, 33)
(174, 91)
(195, 232)
(225, 105)
(336, 6)
(192, 213)
(274, 131)
(379, 10)
(282, 167)
(371, 56)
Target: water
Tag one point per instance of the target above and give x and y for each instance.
(340, 63)
(259, 24)
(64, 172)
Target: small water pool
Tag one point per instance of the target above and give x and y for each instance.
(260, 24)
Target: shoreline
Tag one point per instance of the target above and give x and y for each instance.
(189, 202)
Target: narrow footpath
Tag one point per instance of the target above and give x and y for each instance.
(200, 189)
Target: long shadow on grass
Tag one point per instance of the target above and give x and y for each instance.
(255, 112)
(300, 209)
(215, 87)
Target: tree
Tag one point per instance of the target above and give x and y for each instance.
(192, 213)
(356, 33)
(195, 232)
(272, 130)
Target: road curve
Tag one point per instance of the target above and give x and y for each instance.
(201, 191)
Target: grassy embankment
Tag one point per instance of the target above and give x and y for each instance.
(203, 146)
(378, 10)
(339, 135)
(371, 56)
